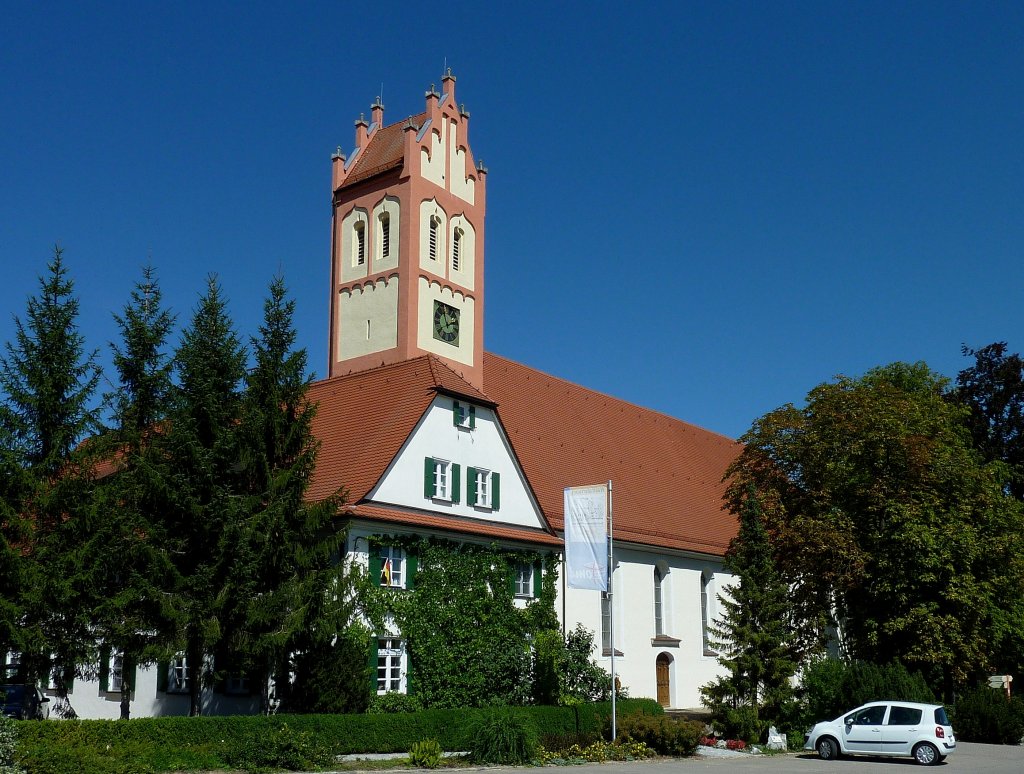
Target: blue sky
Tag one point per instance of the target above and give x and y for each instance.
(704, 208)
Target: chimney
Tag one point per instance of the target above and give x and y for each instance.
(361, 131)
(377, 113)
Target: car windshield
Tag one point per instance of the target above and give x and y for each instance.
(13, 693)
(940, 716)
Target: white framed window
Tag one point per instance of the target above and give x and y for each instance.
(484, 488)
(392, 567)
(464, 415)
(435, 224)
(385, 235)
(236, 683)
(659, 620)
(115, 674)
(441, 480)
(177, 674)
(12, 663)
(456, 249)
(705, 619)
(359, 246)
(391, 665)
(524, 579)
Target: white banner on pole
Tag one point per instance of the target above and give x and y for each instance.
(586, 537)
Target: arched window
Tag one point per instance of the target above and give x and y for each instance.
(385, 235)
(435, 223)
(456, 248)
(360, 245)
(705, 581)
(659, 621)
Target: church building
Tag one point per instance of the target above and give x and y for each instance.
(434, 436)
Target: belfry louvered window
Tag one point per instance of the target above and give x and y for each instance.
(456, 249)
(435, 223)
(360, 246)
(385, 235)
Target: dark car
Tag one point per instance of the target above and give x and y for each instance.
(25, 702)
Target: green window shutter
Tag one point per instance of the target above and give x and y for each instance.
(538, 568)
(456, 483)
(408, 671)
(376, 563)
(69, 679)
(456, 414)
(495, 491)
(470, 486)
(372, 666)
(411, 565)
(472, 417)
(162, 668)
(513, 571)
(105, 668)
(428, 477)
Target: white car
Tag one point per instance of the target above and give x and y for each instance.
(890, 728)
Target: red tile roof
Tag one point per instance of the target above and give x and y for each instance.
(384, 151)
(666, 474)
(364, 418)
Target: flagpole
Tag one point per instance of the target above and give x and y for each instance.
(611, 600)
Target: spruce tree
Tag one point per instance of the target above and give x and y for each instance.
(202, 468)
(49, 381)
(753, 636)
(287, 581)
(131, 567)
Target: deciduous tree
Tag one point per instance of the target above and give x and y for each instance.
(884, 520)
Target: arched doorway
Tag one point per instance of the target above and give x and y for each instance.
(664, 686)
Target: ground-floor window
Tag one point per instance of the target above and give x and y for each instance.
(390, 665)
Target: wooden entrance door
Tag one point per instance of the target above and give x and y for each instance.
(663, 685)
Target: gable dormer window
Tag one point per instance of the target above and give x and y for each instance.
(385, 235)
(484, 488)
(456, 249)
(360, 246)
(441, 480)
(435, 224)
(464, 415)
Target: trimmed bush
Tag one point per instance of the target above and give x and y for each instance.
(393, 702)
(8, 746)
(426, 754)
(660, 733)
(144, 745)
(987, 715)
(285, 748)
(504, 736)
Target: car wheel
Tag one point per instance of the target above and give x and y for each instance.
(827, 749)
(926, 754)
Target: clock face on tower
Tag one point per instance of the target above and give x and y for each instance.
(446, 323)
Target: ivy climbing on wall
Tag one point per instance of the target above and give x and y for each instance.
(469, 644)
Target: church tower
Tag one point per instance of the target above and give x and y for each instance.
(407, 242)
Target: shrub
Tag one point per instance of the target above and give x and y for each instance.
(660, 733)
(8, 746)
(987, 715)
(741, 723)
(831, 687)
(393, 702)
(426, 754)
(284, 748)
(503, 736)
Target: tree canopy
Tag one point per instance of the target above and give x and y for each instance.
(886, 523)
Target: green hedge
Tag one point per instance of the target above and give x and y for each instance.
(180, 743)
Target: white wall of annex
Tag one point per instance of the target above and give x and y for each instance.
(485, 446)
(634, 625)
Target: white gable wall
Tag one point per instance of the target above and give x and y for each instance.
(485, 446)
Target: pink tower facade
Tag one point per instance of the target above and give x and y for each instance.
(407, 242)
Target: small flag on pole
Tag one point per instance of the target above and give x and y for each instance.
(385, 573)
